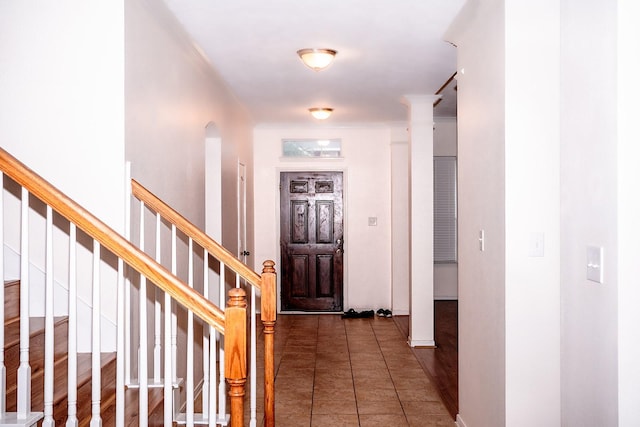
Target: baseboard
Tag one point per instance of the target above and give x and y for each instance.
(310, 312)
(197, 391)
(421, 343)
(459, 421)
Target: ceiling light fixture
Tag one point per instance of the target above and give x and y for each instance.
(321, 113)
(317, 59)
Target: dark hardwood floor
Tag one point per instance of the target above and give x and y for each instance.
(441, 363)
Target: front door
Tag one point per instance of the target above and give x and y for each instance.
(311, 241)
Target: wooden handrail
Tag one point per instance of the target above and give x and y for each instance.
(439, 91)
(214, 248)
(111, 240)
(265, 282)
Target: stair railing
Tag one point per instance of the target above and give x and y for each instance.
(231, 323)
(212, 252)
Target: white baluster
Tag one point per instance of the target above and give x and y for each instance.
(190, 392)
(213, 376)
(168, 360)
(205, 341)
(3, 368)
(174, 316)
(127, 287)
(222, 395)
(120, 356)
(48, 322)
(24, 371)
(96, 381)
(254, 376)
(72, 370)
(143, 380)
(157, 349)
(213, 386)
(168, 364)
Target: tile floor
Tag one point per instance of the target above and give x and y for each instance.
(350, 372)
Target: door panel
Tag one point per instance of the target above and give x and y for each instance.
(311, 240)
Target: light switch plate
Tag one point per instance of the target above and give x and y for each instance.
(536, 245)
(373, 221)
(595, 271)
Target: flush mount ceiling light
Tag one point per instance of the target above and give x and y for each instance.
(321, 113)
(317, 59)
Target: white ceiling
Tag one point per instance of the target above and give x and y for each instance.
(386, 49)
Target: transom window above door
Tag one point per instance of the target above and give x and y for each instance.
(316, 148)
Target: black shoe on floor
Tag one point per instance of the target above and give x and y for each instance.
(350, 314)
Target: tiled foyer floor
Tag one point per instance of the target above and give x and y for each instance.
(350, 372)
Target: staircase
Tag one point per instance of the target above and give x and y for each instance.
(45, 380)
(60, 402)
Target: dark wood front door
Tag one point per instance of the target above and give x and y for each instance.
(311, 240)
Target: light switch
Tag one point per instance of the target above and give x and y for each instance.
(536, 245)
(373, 221)
(595, 260)
(481, 240)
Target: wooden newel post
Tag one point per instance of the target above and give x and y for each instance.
(268, 316)
(235, 352)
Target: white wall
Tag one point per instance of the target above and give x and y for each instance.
(589, 214)
(366, 166)
(62, 98)
(445, 136)
(172, 94)
(62, 104)
(479, 36)
(532, 207)
(508, 177)
(64, 90)
(628, 151)
(558, 153)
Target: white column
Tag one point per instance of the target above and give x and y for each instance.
(421, 323)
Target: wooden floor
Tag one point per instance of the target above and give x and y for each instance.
(441, 363)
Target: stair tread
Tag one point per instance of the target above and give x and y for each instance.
(36, 346)
(60, 404)
(60, 379)
(11, 298)
(156, 398)
(36, 326)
